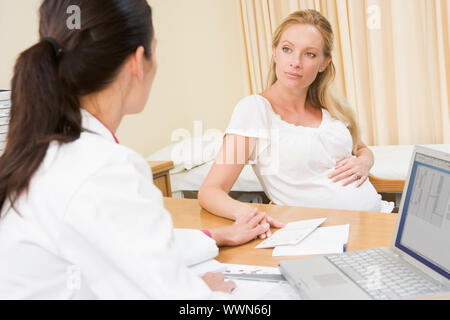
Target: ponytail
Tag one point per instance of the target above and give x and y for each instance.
(42, 110)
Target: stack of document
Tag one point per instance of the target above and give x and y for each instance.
(259, 282)
(306, 238)
(5, 107)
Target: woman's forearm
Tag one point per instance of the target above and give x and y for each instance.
(366, 155)
(218, 202)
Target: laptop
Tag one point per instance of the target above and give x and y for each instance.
(415, 266)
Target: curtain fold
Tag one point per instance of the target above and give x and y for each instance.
(392, 59)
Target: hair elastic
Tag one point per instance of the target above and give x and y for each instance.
(58, 49)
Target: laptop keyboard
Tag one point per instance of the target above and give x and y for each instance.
(383, 277)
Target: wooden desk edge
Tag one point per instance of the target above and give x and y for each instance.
(160, 166)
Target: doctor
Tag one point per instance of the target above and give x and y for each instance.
(80, 215)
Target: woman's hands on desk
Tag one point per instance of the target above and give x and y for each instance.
(272, 222)
(268, 220)
(246, 228)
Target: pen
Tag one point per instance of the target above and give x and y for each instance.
(256, 277)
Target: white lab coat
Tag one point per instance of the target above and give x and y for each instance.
(93, 226)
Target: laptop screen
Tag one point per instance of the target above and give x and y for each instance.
(424, 229)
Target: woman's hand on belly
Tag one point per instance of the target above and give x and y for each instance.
(350, 170)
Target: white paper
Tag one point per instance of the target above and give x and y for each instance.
(208, 266)
(324, 240)
(261, 290)
(250, 269)
(292, 233)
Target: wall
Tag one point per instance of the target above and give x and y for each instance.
(199, 66)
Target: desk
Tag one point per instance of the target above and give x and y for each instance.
(367, 229)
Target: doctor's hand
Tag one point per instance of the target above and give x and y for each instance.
(350, 170)
(246, 228)
(216, 282)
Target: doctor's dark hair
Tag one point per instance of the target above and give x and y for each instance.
(47, 84)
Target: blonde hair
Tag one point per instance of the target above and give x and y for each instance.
(319, 93)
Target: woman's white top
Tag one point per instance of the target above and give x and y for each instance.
(92, 226)
(293, 162)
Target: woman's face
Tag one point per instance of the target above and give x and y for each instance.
(299, 56)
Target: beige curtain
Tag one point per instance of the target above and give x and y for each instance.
(392, 59)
